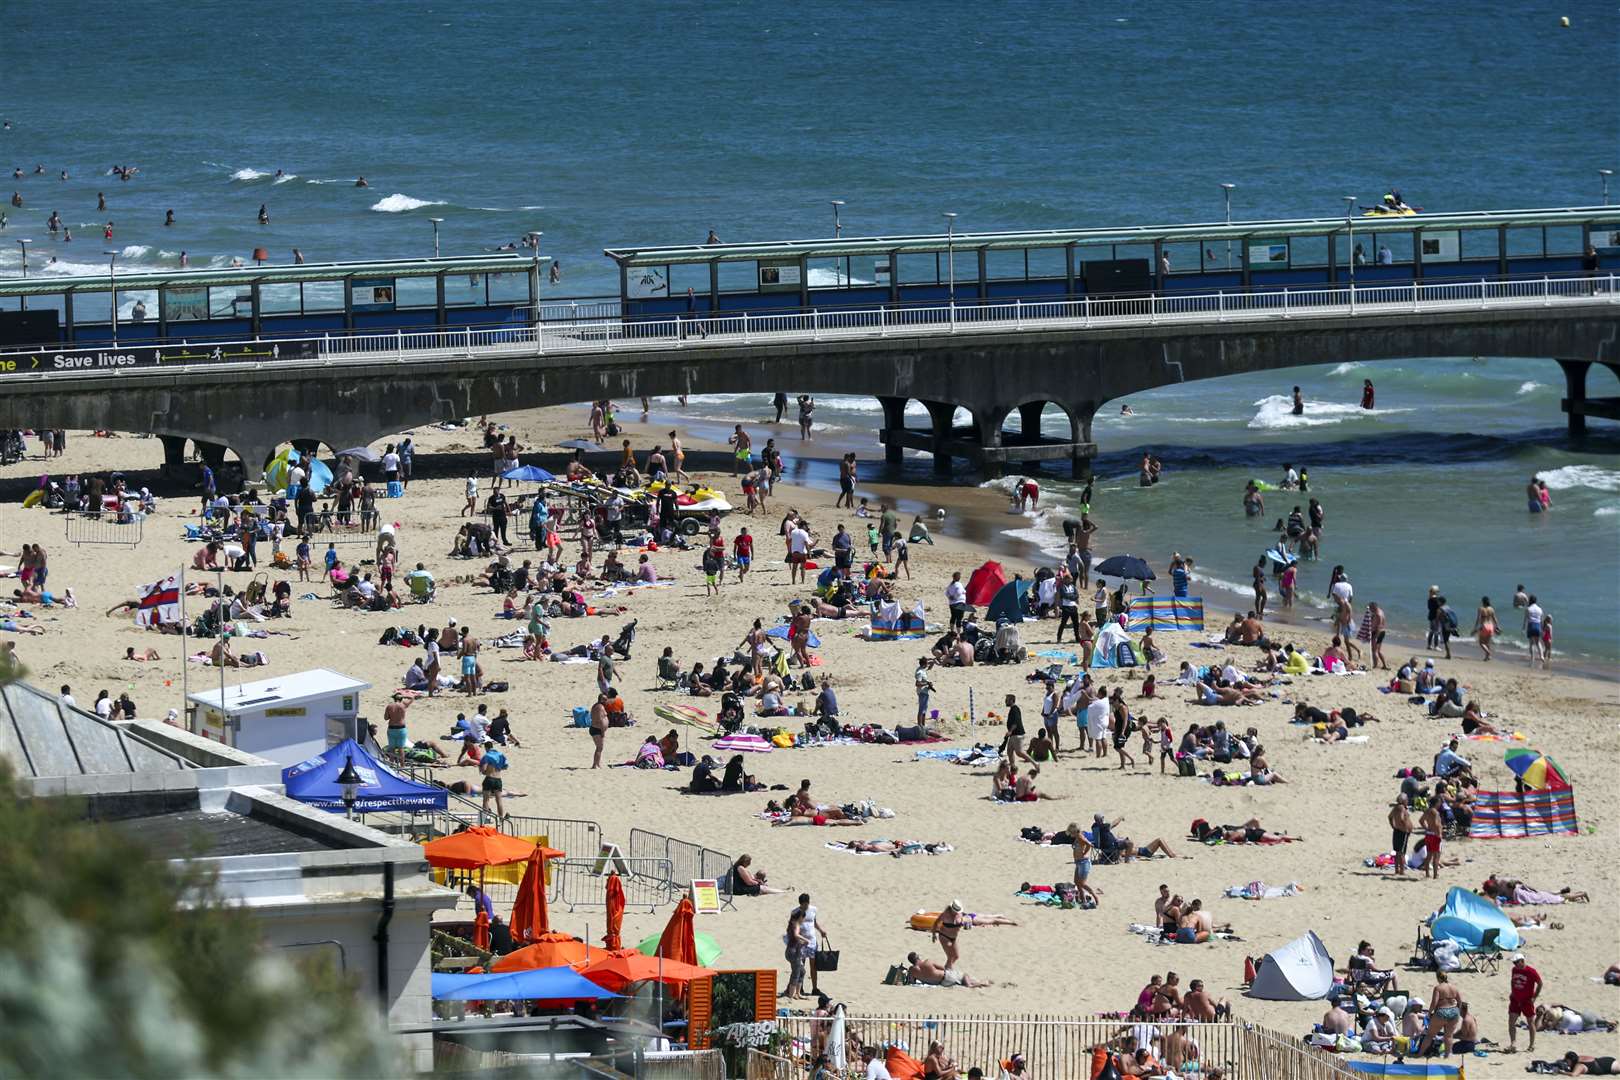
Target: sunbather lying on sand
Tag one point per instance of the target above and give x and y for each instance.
(927, 971)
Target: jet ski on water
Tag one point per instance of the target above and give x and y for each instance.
(1392, 205)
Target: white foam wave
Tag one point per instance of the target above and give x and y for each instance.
(336, 180)
(1529, 387)
(1277, 412)
(1581, 476)
(399, 204)
(1606, 511)
(1221, 583)
(1347, 367)
(245, 175)
(67, 267)
(135, 251)
(284, 177)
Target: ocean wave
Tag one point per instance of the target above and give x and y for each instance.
(1530, 387)
(1347, 367)
(399, 204)
(245, 175)
(284, 177)
(1581, 476)
(134, 251)
(335, 180)
(1277, 412)
(67, 268)
(1606, 511)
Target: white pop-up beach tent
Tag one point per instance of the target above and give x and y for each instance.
(1302, 970)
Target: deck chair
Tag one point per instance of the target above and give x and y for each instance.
(1486, 957)
(421, 586)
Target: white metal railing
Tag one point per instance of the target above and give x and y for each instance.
(676, 332)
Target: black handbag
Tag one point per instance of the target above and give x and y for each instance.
(826, 960)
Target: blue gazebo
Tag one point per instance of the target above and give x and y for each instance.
(317, 782)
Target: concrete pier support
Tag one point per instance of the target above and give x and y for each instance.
(174, 455)
(941, 415)
(894, 419)
(1575, 393)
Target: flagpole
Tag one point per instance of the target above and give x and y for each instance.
(185, 664)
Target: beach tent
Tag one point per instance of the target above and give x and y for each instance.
(314, 781)
(1302, 970)
(890, 623)
(1167, 613)
(984, 583)
(1105, 651)
(280, 468)
(1465, 918)
(1009, 602)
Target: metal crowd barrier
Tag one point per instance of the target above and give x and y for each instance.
(582, 883)
(687, 860)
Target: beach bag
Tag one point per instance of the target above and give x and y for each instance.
(389, 636)
(1184, 766)
(1124, 655)
(1032, 832)
(896, 975)
(826, 960)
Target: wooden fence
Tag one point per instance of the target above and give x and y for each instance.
(1056, 1046)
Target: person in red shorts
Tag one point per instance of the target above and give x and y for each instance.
(1524, 988)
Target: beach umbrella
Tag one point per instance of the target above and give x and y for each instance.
(581, 444)
(1009, 602)
(708, 949)
(621, 967)
(1536, 769)
(1124, 566)
(745, 742)
(615, 912)
(481, 930)
(986, 581)
(480, 845)
(528, 473)
(548, 950)
(529, 915)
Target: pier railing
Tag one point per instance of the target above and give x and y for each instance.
(744, 329)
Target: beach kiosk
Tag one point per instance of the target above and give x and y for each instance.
(287, 719)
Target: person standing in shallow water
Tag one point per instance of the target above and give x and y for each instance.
(1299, 402)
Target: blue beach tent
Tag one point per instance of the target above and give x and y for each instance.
(315, 782)
(1465, 918)
(1008, 603)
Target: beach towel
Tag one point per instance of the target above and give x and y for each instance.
(1259, 890)
(1507, 815)
(1166, 613)
(781, 632)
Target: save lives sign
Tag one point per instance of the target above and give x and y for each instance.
(115, 359)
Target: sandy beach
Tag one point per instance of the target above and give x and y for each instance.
(1055, 961)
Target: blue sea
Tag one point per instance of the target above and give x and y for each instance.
(640, 124)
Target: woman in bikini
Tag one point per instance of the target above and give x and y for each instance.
(1485, 625)
(946, 930)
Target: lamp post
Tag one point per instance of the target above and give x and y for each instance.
(838, 228)
(437, 221)
(950, 258)
(1226, 190)
(112, 276)
(1604, 175)
(22, 301)
(350, 782)
(1350, 241)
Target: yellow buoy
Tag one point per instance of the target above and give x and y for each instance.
(1564, 21)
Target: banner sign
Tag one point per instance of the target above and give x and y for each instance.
(114, 358)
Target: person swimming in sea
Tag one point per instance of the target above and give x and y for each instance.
(1125, 410)
(361, 182)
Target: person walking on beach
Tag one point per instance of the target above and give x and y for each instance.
(799, 541)
(1377, 629)
(1400, 827)
(1260, 591)
(816, 931)
(1533, 615)
(1524, 988)
(1485, 625)
(1068, 605)
(846, 482)
(743, 445)
(1433, 641)
(807, 409)
(1432, 823)
(1015, 731)
(599, 726)
(1083, 850)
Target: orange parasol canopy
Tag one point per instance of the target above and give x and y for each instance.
(548, 950)
(529, 915)
(479, 846)
(618, 969)
(615, 912)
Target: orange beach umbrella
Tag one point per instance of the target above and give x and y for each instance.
(615, 912)
(529, 915)
(549, 950)
(618, 969)
(480, 846)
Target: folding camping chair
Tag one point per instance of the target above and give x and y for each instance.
(1486, 957)
(1422, 957)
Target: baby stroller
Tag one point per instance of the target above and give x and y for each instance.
(621, 644)
(1007, 647)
